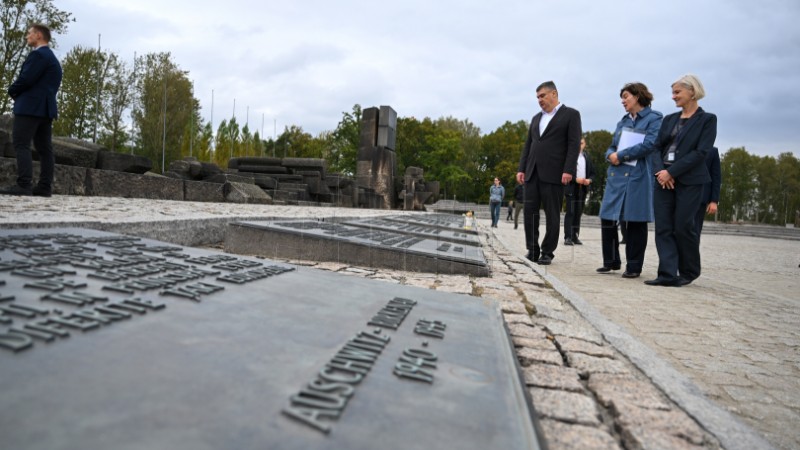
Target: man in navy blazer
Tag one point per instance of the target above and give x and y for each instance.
(547, 164)
(34, 93)
(710, 197)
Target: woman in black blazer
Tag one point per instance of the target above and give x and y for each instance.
(679, 166)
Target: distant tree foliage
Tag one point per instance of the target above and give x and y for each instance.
(16, 16)
(759, 189)
(164, 108)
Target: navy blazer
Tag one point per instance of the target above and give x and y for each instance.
(34, 90)
(694, 141)
(556, 151)
(711, 189)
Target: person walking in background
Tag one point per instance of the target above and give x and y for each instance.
(519, 202)
(710, 197)
(496, 194)
(575, 194)
(510, 210)
(629, 183)
(546, 165)
(683, 143)
(34, 93)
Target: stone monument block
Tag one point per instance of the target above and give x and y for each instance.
(245, 193)
(122, 162)
(71, 154)
(201, 191)
(106, 183)
(68, 180)
(369, 127)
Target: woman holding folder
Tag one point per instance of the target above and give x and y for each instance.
(629, 184)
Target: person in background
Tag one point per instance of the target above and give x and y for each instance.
(546, 165)
(683, 143)
(710, 198)
(519, 202)
(629, 182)
(496, 194)
(510, 210)
(575, 194)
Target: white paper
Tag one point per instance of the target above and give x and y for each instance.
(627, 139)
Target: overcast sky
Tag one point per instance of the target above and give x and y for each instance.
(304, 62)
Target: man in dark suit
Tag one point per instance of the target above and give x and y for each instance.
(710, 197)
(575, 194)
(547, 164)
(34, 93)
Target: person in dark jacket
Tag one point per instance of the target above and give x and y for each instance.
(683, 143)
(34, 93)
(710, 198)
(546, 165)
(575, 195)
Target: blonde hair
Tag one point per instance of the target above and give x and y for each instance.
(692, 82)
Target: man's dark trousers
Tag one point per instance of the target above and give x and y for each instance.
(549, 196)
(38, 129)
(576, 199)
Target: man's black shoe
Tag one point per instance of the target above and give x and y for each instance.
(39, 191)
(567, 241)
(627, 274)
(532, 256)
(515, 226)
(577, 241)
(16, 190)
(545, 260)
(682, 282)
(663, 282)
(607, 269)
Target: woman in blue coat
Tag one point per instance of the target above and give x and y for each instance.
(629, 184)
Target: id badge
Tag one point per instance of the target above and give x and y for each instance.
(671, 156)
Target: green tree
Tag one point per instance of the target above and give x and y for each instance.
(344, 142)
(500, 157)
(788, 199)
(737, 193)
(116, 98)
(78, 93)
(16, 17)
(163, 109)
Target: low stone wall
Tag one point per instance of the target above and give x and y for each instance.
(73, 180)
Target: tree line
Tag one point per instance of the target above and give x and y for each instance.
(149, 105)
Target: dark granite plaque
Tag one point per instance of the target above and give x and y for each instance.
(214, 351)
(339, 242)
(448, 234)
(443, 221)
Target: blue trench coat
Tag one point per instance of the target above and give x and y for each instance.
(629, 189)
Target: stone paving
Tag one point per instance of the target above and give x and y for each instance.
(588, 393)
(735, 332)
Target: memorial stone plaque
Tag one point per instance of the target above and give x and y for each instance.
(448, 234)
(114, 342)
(443, 221)
(340, 242)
